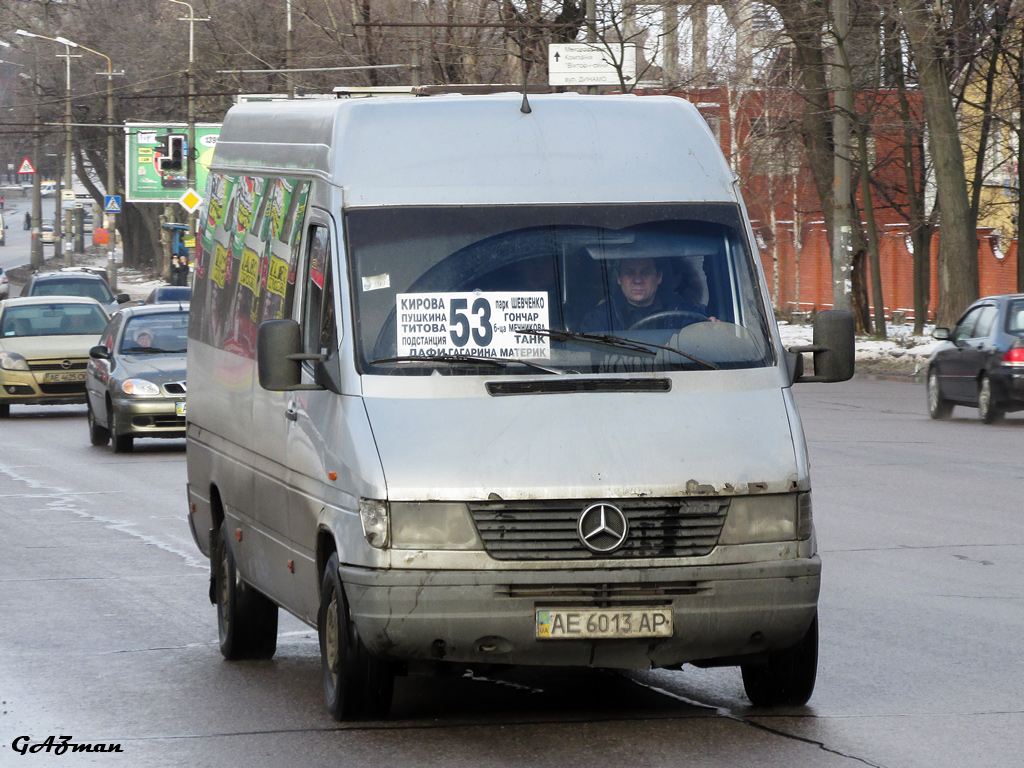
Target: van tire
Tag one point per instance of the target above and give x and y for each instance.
(787, 678)
(98, 435)
(246, 619)
(357, 684)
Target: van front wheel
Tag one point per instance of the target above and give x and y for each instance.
(787, 678)
(246, 619)
(356, 683)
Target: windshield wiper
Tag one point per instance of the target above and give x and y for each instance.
(498, 362)
(632, 345)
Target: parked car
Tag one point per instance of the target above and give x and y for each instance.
(981, 362)
(136, 376)
(3, 229)
(165, 294)
(5, 285)
(44, 348)
(46, 231)
(74, 281)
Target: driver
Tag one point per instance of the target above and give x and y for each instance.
(637, 299)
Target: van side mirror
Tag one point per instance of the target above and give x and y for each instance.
(832, 347)
(279, 356)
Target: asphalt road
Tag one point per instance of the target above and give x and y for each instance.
(107, 636)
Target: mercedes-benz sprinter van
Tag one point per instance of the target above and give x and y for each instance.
(474, 381)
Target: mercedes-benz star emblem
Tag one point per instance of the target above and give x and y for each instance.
(602, 528)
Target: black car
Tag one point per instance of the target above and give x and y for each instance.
(74, 281)
(981, 362)
(169, 294)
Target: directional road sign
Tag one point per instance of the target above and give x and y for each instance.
(112, 204)
(591, 64)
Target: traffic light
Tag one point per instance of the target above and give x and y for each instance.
(174, 159)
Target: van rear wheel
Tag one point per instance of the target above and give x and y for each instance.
(356, 683)
(787, 678)
(246, 619)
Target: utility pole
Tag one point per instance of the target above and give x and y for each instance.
(842, 228)
(290, 78)
(192, 154)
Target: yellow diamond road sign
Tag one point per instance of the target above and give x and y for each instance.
(190, 201)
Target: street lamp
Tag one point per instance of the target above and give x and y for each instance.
(68, 45)
(111, 173)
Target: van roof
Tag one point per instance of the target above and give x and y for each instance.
(458, 150)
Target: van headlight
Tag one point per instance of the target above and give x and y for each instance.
(12, 361)
(139, 387)
(775, 517)
(432, 525)
(373, 514)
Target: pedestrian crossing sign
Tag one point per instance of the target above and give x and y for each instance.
(112, 204)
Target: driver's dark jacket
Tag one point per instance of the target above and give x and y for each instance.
(619, 315)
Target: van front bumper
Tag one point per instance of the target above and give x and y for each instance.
(719, 612)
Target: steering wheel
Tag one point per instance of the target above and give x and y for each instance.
(693, 317)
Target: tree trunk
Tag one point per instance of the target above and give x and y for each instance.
(803, 24)
(958, 246)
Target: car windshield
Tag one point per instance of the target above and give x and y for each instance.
(52, 320)
(589, 288)
(156, 334)
(94, 289)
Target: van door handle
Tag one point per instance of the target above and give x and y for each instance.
(291, 414)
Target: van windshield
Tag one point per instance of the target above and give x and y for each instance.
(587, 288)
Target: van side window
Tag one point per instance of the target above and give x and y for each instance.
(318, 313)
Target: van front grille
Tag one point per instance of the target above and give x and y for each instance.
(548, 530)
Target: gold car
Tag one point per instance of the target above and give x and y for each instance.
(44, 349)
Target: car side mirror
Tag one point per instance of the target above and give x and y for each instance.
(279, 356)
(942, 334)
(99, 352)
(122, 298)
(832, 346)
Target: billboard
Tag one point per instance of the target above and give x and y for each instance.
(156, 160)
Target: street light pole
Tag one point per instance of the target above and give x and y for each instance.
(67, 56)
(111, 171)
(68, 212)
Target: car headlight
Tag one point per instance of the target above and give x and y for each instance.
(432, 525)
(773, 517)
(11, 361)
(139, 387)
